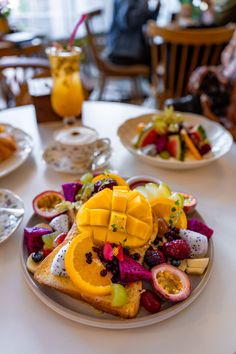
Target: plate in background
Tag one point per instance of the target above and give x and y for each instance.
(220, 139)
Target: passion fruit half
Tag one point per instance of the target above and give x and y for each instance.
(170, 282)
(44, 204)
(190, 203)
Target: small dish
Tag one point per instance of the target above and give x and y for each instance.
(59, 162)
(24, 144)
(220, 139)
(9, 222)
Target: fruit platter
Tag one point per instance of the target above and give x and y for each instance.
(175, 140)
(116, 253)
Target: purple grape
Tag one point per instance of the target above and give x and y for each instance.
(205, 149)
(106, 183)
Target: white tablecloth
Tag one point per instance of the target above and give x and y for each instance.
(206, 327)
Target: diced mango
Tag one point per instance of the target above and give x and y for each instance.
(119, 200)
(117, 222)
(137, 228)
(99, 234)
(83, 217)
(121, 188)
(99, 217)
(101, 200)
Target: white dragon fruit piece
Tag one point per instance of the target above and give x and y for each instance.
(198, 243)
(60, 223)
(58, 264)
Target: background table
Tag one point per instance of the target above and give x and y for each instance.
(206, 327)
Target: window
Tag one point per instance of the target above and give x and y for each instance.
(56, 18)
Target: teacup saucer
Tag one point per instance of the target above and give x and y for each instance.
(9, 220)
(54, 158)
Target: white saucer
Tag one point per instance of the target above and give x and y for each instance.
(55, 160)
(8, 222)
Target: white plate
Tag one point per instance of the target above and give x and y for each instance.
(221, 141)
(8, 222)
(83, 313)
(24, 147)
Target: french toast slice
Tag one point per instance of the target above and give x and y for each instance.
(104, 303)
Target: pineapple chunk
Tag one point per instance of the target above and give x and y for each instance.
(195, 271)
(198, 263)
(183, 265)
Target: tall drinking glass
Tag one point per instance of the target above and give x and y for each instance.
(67, 92)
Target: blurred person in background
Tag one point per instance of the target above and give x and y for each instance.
(127, 44)
(213, 90)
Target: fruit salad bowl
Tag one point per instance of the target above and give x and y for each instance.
(219, 138)
(180, 259)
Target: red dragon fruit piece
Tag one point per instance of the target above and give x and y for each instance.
(108, 251)
(33, 238)
(131, 271)
(70, 190)
(161, 143)
(198, 226)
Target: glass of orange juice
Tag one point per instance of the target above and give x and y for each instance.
(67, 92)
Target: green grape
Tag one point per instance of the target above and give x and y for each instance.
(87, 178)
(119, 296)
(164, 155)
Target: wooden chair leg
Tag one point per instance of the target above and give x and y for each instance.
(101, 86)
(136, 88)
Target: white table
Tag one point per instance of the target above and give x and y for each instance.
(208, 326)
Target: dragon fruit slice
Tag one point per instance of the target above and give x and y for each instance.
(198, 226)
(70, 190)
(131, 271)
(33, 238)
(161, 143)
(198, 243)
(60, 223)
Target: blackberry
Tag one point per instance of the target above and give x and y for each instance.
(126, 251)
(154, 257)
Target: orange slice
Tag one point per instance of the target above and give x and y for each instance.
(190, 145)
(87, 277)
(167, 209)
(120, 181)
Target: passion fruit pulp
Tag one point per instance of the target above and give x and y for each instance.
(44, 204)
(170, 282)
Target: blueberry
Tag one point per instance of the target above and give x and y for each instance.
(175, 262)
(37, 257)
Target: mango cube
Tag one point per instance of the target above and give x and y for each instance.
(117, 222)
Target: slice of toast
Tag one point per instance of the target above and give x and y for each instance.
(44, 276)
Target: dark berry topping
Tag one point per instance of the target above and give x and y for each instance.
(103, 273)
(175, 262)
(153, 257)
(136, 256)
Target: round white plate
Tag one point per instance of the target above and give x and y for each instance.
(8, 221)
(83, 313)
(24, 147)
(221, 141)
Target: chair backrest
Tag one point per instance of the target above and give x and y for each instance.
(180, 51)
(92, 40)
(14, 73)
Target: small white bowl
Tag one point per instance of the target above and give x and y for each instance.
(145, 179)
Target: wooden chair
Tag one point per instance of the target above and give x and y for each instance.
(107, 69)
(14, 73)
(180, 52)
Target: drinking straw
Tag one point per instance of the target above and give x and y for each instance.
(73, 34)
